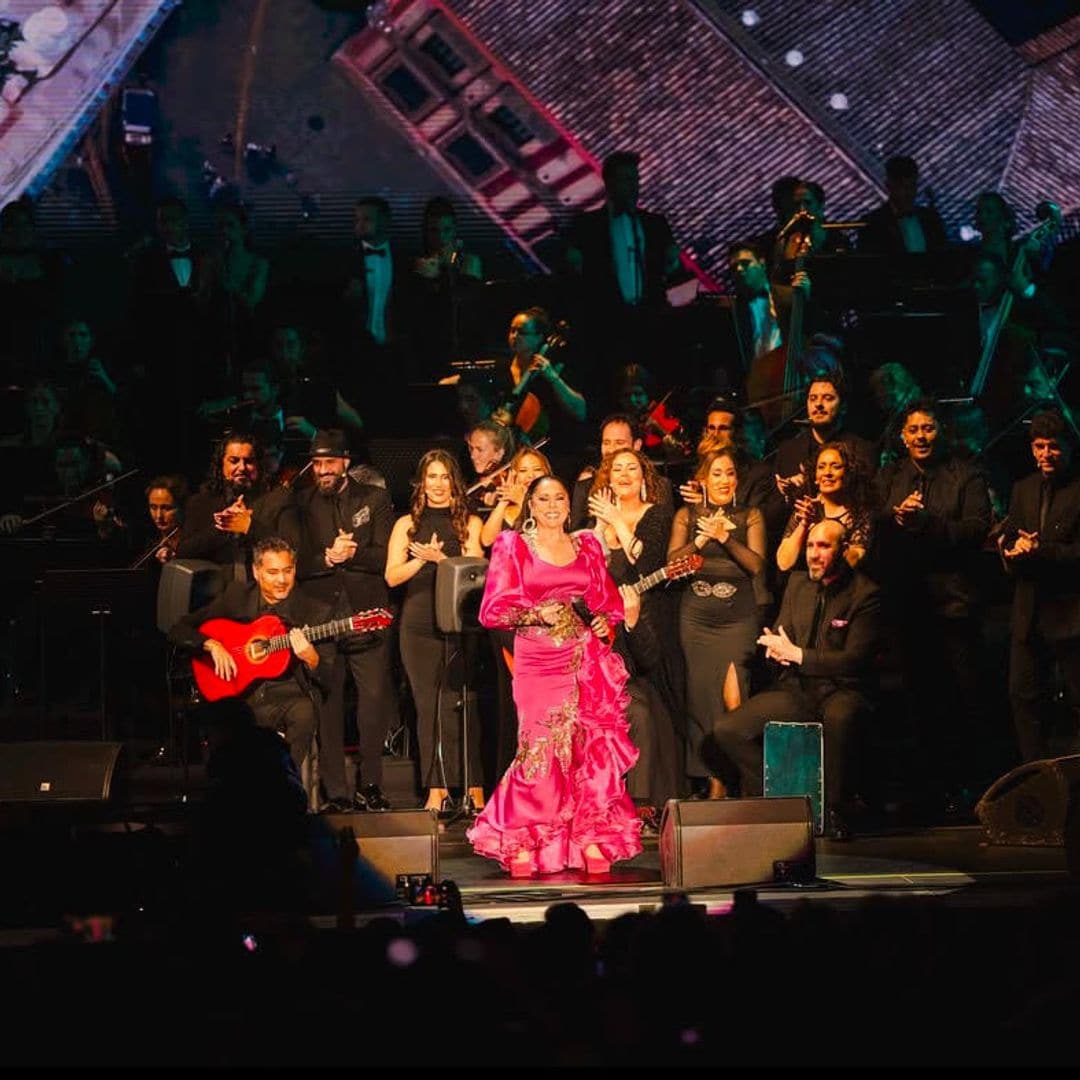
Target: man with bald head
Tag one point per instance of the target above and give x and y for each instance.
(823, 642)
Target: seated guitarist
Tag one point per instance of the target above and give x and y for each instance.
(287, 703)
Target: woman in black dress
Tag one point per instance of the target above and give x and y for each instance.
(438, 526)
(718, 616)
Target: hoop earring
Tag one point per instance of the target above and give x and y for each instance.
(528, 526)
(733, 500)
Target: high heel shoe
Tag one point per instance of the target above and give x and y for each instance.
(596, 864)
(521, 866)
(437, 799)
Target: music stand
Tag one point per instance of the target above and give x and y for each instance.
(459, 586)
(100, 593)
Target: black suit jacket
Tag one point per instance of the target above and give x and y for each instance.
(397, 302)
(1047, 596)
(200, 539)
(848, 631)
(881, 235)
(590, 234)
(366, 512)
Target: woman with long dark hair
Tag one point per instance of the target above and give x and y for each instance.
(718, 615)
(840, 494)
(563, 802)
(438, 526)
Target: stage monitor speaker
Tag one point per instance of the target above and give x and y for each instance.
(459, 588)
(186, 585)
(1029, 805)
(59, 772)
(394, 842)
(712, 842)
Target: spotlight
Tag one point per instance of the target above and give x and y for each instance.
(839, 102)
(749, 18)
(793, 58)
(967, 233)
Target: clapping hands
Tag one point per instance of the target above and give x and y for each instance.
(603, 507)
(235, 518)
(780, 647)
(432, 551)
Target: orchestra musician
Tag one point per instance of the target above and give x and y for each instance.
(166, 496)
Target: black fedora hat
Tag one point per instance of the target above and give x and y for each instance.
(329, 442)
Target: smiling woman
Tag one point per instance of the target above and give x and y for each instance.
(438, 526)
(563, 801)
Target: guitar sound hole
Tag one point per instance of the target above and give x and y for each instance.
(257, 650)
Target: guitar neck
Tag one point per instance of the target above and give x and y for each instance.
(645, 583)
(312, 633)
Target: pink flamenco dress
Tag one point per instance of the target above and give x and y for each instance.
(564, 789)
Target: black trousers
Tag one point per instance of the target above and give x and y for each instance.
(284, 706)
(942, 668)
(655, 777)
(738, 734)
(1031, 662)
(436, 664)
(376, 714)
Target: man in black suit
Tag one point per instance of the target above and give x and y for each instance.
(898, 225)
(285, 704)
(343, 527)
(621, 257)
(375, 309)
(1041, 549)
(825, 641)
(167, 350)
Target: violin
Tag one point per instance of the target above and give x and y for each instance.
(664, 431)
(521, 409)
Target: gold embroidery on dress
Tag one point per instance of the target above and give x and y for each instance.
(534, 758)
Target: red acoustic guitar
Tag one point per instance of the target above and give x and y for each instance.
(261, 648)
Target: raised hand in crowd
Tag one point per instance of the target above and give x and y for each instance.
(235, 518)
(342, 549)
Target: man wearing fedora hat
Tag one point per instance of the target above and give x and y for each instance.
(342, 526)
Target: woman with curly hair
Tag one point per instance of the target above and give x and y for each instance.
(563, 801)
(840, 494)
(631, 527)
(438, 526)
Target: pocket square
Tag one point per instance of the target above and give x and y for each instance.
(838, 624)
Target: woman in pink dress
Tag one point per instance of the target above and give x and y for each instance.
(563, 801)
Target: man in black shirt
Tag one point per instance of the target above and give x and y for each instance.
(825, 641)
(1041, 549)
(342, 528)
(285, 704)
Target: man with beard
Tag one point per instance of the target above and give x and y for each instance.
(228, 514)
(794, 465)
(1041, 550)
(343, 527)
(825, 641)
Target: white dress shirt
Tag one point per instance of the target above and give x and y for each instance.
(379, 272)
(180, 261)
(628, 255)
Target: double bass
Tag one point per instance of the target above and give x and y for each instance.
(775, 379)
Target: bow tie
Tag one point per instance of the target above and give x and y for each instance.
(369, 250)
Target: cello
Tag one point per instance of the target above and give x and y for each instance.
(521, 409)
(776, 378)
